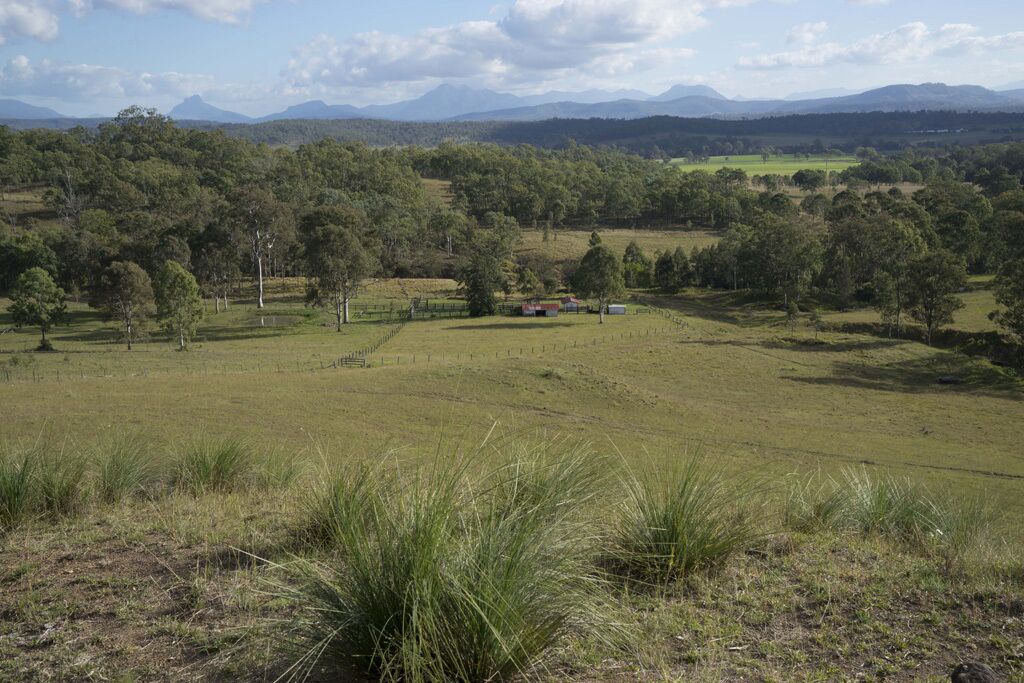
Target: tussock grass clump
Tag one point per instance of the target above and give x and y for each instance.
(447, 576)
(60, 478)
(948, 525)
(40, 479)
(688, 518)
(214, 466)
(16, 486)
(814, 503)
(892, 506)
(125, 467)
(277, 470)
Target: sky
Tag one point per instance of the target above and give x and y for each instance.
(84, 57)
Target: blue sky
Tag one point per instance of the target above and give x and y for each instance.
(257, 56)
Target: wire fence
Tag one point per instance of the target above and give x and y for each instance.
(365, 357)
(389, 360)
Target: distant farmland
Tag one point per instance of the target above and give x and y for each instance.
(787, 164)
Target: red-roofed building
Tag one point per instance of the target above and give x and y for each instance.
(541, 310)
(571, 304)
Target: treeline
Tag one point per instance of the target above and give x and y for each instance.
(652, 137)
(907, 256)
(141, 191)
(666, 135)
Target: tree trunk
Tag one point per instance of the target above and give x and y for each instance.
(345, 319)
(181, 339)
(225, 301)
(338, 314)
(216, 303)
(600, 312)
(259, 272)
(42, 343)
(128, 333)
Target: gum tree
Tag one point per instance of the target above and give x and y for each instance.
(599, 276)
(37, 301)
(125, 293)
(178, 303)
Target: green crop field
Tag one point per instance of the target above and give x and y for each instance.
(786, 164)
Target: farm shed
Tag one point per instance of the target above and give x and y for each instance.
(571, 304)
(541, 310)
(616, 309)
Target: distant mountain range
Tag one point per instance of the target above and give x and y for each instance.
(463, 103)
(15, 109)
(926, 97)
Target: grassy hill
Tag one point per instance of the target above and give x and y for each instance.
(181, 583)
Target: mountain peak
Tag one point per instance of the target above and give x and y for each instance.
(195, 109)
(680, 90)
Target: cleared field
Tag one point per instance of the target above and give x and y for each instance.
(973, 317)
(570, 245)
(753, 164)
(734, 382)
(176, 586)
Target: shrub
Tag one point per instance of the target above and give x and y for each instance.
(688, 518)
(210, 466)
(447, 576)
(125, 468)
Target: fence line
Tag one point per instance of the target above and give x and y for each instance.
(514, 352)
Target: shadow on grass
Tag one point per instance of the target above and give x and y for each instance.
(741, 308)
(923, 376)
(809, 344)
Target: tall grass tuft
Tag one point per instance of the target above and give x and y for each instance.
(957, 528)
(688, 518)
(125, 467)
(16, 486)
(948, 525)
(814, 503)
(448, 576)
(214, 466)
(888, 505)
(60, 478)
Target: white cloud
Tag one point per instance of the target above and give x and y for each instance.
(39, 20)
(533, 40)
(27, 19)
(224, 11)
(808, 33)
(20, 76)
(908, 43)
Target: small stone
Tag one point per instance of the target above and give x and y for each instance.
(973, 672)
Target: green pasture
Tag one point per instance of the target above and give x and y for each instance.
(571, 245)
(734, 382)
(753, 164)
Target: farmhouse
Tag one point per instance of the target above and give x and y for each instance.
(541, 310)
(571, 304)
